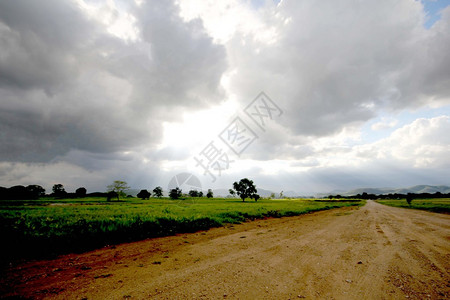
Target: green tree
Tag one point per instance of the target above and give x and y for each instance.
(119, 187)
(58, 190)
(175, 193)
(246, 189)
(210, 193)
(158, 191)
(194, 193)
(81, 192)
(110, 195)
(409, 198)
(144, 194)
(35, 191)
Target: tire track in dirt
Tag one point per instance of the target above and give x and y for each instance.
(375, 252)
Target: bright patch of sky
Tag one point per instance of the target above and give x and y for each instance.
(260, 3)
(433, 10)
(386, 123)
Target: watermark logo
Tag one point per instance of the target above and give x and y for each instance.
(213, 159)
(238, 136)
(185, 182)
(262, 110)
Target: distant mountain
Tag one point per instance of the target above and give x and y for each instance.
(376, 191)
(220, 193)
(291, 194)
(417, 189)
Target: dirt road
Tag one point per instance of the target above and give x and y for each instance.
(374, 252)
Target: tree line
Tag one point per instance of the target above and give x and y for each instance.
(367, 196)
(34, 191)
(245, 189)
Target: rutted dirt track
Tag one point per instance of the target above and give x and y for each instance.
(374, 252)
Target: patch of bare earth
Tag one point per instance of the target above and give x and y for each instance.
(375, 252)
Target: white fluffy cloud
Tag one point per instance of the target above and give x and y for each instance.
(424, 143)
(384, 124)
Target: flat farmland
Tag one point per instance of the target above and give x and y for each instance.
(440, 205)
(369, 252)
(47, 227)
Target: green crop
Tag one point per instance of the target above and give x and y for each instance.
(37, 228)
(439, 205)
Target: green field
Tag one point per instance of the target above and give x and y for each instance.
(439, 205)
(46, 227)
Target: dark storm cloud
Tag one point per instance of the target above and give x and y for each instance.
(192, 66)
(66, 83)
(42, 42)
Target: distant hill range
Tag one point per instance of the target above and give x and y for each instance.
(417, 189)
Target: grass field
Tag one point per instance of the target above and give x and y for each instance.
(439, 205)
(46, 227)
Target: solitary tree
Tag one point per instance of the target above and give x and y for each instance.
(58, 190)
(119, 187)
(210, 193)
(144, 194)
(246, 189)
(175, 193)
(200, 194)
(81, 192)
(158, 192)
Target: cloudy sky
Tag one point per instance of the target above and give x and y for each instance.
(356, 93)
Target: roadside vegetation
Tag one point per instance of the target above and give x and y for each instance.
(438, 205)
(49, 226)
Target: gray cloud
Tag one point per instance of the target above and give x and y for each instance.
(66, 83)
(335, 64)
(42, 43)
